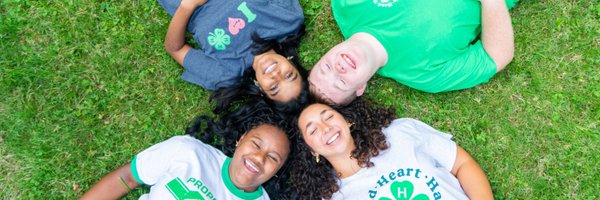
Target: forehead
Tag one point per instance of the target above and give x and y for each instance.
(266, 131)
(324, 89)
(270, 134)
(312, 111)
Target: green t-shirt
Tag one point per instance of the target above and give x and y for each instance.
(432, 45)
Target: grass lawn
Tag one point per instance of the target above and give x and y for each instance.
(85, 85)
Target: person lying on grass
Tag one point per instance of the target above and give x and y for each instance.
(239, 40)
(358, 152)
(430, 45)
(184, 167)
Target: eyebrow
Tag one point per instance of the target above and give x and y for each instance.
(323, 112)
(307, 125)
(258, 138)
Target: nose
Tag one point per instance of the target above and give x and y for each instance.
(275, 74)
(340, 68)
(259, 157)
(327, 129)
(340, 65)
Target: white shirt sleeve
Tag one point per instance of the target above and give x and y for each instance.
(427, 141)
(153, 162)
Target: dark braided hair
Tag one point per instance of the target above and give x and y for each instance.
(314, 180)
(246, 89)
(232, 125)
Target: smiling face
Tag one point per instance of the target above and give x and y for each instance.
(258, 156)
(277, 77)
(342, 73)
(325, 131)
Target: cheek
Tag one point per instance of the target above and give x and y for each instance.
(271, 168)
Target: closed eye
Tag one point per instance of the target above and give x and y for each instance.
(313, 131)
(272, 158)
(329, 117)
(255, 145)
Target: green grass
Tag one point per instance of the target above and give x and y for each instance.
(85, 85)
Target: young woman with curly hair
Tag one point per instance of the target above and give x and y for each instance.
(255, 148)
(358, 152)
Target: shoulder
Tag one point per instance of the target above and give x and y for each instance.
(188, 144)
(409, 128)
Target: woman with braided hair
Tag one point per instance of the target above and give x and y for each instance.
(359, 152)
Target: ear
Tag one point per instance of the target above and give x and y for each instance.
(361, 90)
(242, 137)
(313, 153)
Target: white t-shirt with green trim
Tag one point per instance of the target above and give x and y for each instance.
(417, 165)
(183, 167)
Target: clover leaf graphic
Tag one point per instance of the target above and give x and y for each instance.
(219, 39)
(404, 191)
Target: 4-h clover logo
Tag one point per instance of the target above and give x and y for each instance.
(219, 39)
(404, 190)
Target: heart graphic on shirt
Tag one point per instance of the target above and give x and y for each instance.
(235, 25)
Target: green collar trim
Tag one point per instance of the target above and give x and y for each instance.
(234, 190)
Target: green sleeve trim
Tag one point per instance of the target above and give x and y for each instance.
(234, 190)
(134, 171)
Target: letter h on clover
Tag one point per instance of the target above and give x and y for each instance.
(219, 39)
(404, 191)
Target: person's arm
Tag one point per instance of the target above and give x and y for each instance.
(114, 185)
(471, 177)
(497, 32)
(175, 38)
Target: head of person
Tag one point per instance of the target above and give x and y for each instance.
(276, 66)
(277, 76)
(260, 153)
(342, 73)
(328, 133)
(258, 140)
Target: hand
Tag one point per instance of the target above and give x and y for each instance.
(192, 4)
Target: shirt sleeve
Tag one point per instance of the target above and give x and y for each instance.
(468, 69)
(211, 73)
(428, 141)
(150, 164)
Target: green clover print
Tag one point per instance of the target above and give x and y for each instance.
(404, 190)
(219, 39)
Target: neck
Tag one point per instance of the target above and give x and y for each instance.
(375, 48)
(344, 165)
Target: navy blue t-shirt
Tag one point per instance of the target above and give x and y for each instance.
(223, 29)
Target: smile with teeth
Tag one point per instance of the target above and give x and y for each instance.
(270, 68)
(250, 165)
(348, 60)
(333, 138)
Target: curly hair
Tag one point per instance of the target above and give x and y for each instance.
(314, 180)
(246, 89)
(232, 125)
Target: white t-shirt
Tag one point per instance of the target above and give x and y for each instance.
(183, 167)
(417, 165)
